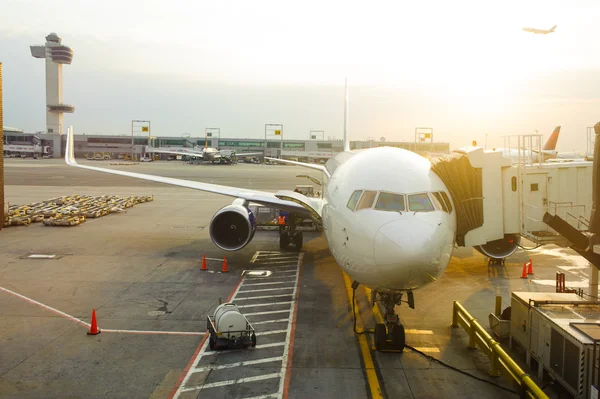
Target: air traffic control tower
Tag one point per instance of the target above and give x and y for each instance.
(56, 54)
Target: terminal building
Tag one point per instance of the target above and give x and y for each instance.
(117, 146)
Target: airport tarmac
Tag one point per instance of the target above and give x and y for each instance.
(140, 270)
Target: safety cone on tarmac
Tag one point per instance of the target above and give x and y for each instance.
(224, 269)
(524, 274)
(94, 327)
(204, 262)
(530, 267)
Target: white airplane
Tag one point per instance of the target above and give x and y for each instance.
(531, 155)
(206, 154)
(389, 221)
(540, 31)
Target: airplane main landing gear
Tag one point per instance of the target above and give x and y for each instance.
(390, 337)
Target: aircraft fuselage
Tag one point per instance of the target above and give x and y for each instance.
(388, 250)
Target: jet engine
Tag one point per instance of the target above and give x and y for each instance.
(233, 226)
(502, 248)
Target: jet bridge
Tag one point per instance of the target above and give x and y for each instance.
(499, 201)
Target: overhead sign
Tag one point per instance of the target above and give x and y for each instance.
(208, 134)
(144, 128)
(277, 132)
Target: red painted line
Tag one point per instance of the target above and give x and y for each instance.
(288, 373)
(191, 362)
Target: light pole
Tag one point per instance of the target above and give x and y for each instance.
(277, 132)
(141, 125)
(208, 134)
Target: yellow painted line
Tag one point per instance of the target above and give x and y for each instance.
(427, 349)
(372, 379)
(418, 332)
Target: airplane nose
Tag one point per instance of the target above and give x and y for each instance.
(401, 241)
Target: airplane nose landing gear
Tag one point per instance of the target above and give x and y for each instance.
(390, 337)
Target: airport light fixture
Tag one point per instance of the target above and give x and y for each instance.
(209, 132)
(314, 133)
(138, 126)
(277, 131)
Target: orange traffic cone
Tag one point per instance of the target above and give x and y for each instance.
(204, 262)
(94, 327)
(524, 274)
(530, 267)
(224, 269)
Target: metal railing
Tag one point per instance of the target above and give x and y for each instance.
(500, 362)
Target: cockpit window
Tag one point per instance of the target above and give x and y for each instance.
(390, 202)
(447, 201)
(420, 203)
(366, 201)
(354, 199)
(438, 201)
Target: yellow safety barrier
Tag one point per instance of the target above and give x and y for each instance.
(500, 362)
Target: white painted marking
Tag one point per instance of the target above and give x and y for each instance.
(252, 305)
(254, 323)
(257, 273)
(211, 353)
(271, 283)
(267, 289)
(238, 364)
(285, 344)
(267, 312)
(260, 334)
(156, 313)
(201, 352)
(569, 284)
(268, 396)
(41, 256)
(154, 332)
(262, 297)
(254, 257)
(569, 268)
(68, 316)
(289, 331)
(232, 382)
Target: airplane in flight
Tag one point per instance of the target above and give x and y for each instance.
(540, 31)
(392, 232)
(206, 154)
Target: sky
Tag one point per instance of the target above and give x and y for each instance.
(464, 68)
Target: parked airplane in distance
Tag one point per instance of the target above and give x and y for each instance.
(389, 220)
(531, 155)
(206, 154)
(540, 31)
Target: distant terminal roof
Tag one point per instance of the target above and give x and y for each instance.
(11, 129)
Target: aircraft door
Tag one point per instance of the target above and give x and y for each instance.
(535, 198)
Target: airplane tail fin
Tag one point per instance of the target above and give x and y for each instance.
(552, 140)
(346, 105)
(553, 28)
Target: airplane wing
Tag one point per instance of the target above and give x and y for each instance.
(259, 197)
(306, 165)
(175, 152)
(247, 154)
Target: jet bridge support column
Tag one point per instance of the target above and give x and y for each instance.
(593, 284)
